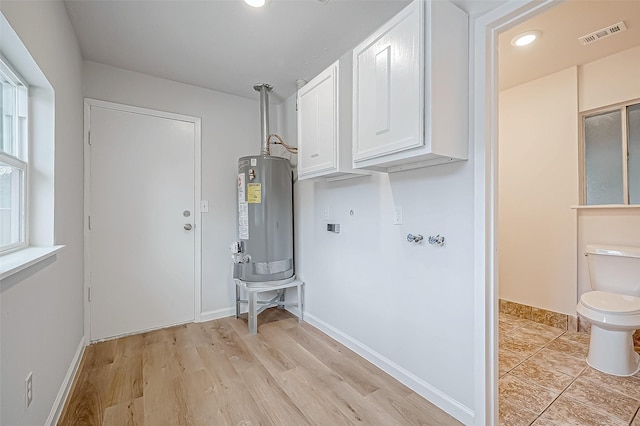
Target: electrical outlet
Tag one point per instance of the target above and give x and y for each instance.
(397, 216)
(326, 213)
(28, 390)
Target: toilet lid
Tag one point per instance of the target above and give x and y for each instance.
(612, 303)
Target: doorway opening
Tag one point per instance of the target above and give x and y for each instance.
(493, 158)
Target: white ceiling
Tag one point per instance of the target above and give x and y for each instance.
(228, 46)
(225, 45)
(558, 48)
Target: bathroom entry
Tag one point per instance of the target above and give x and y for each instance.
(539, 254)
(544, 86)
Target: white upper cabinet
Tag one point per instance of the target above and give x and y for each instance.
(324, 124)
(410, 90)
(318, 124)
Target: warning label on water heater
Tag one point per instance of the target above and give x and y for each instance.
(243, 209)
(243, 220)
(254, 193)
(241, 179)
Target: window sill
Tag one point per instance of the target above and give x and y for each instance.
(17, 261)
(608, 206)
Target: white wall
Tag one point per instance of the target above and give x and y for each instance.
(287, 127)
(409, 304)
(608, 81)
(230, 129)
(538, 184)
(41, 307)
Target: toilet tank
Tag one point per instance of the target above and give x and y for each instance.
(614, 268)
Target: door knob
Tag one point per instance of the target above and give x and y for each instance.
(188, 227)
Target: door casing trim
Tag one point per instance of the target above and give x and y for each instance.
(484, 132)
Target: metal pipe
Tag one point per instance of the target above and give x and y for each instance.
(264, 90)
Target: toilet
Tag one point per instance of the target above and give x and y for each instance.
(612, 308)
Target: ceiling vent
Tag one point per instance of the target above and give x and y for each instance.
(603, 33)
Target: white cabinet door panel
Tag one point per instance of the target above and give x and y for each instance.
(317, 124)
(410, 96)
(388, 97)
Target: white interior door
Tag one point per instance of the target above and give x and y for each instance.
(142, 227)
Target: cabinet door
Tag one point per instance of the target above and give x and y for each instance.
(388, 87)
(317, 124)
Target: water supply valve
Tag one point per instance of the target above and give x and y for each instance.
(414, 238)
(235, 247)
(438, 240)
(237, 255)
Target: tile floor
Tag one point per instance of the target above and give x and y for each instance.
(544, 380)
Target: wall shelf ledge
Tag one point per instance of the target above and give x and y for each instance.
(19, 260)
(607, 206)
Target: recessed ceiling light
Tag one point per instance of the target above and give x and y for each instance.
(255, 3)
(524, 38)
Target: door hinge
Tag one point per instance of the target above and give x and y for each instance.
(89, 222)
(89, 294)
(89, 137)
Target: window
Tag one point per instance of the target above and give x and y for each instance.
(612, 156)
(13, 159)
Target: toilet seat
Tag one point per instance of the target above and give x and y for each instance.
(611, 303)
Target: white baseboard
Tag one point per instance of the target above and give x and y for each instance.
(454, 408)
(218, 313)
(294, 310)
(63, 393)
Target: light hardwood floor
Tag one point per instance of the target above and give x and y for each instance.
(215, 373)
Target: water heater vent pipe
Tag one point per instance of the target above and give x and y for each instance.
(264, 90)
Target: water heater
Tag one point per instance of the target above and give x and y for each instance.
(263, 252)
